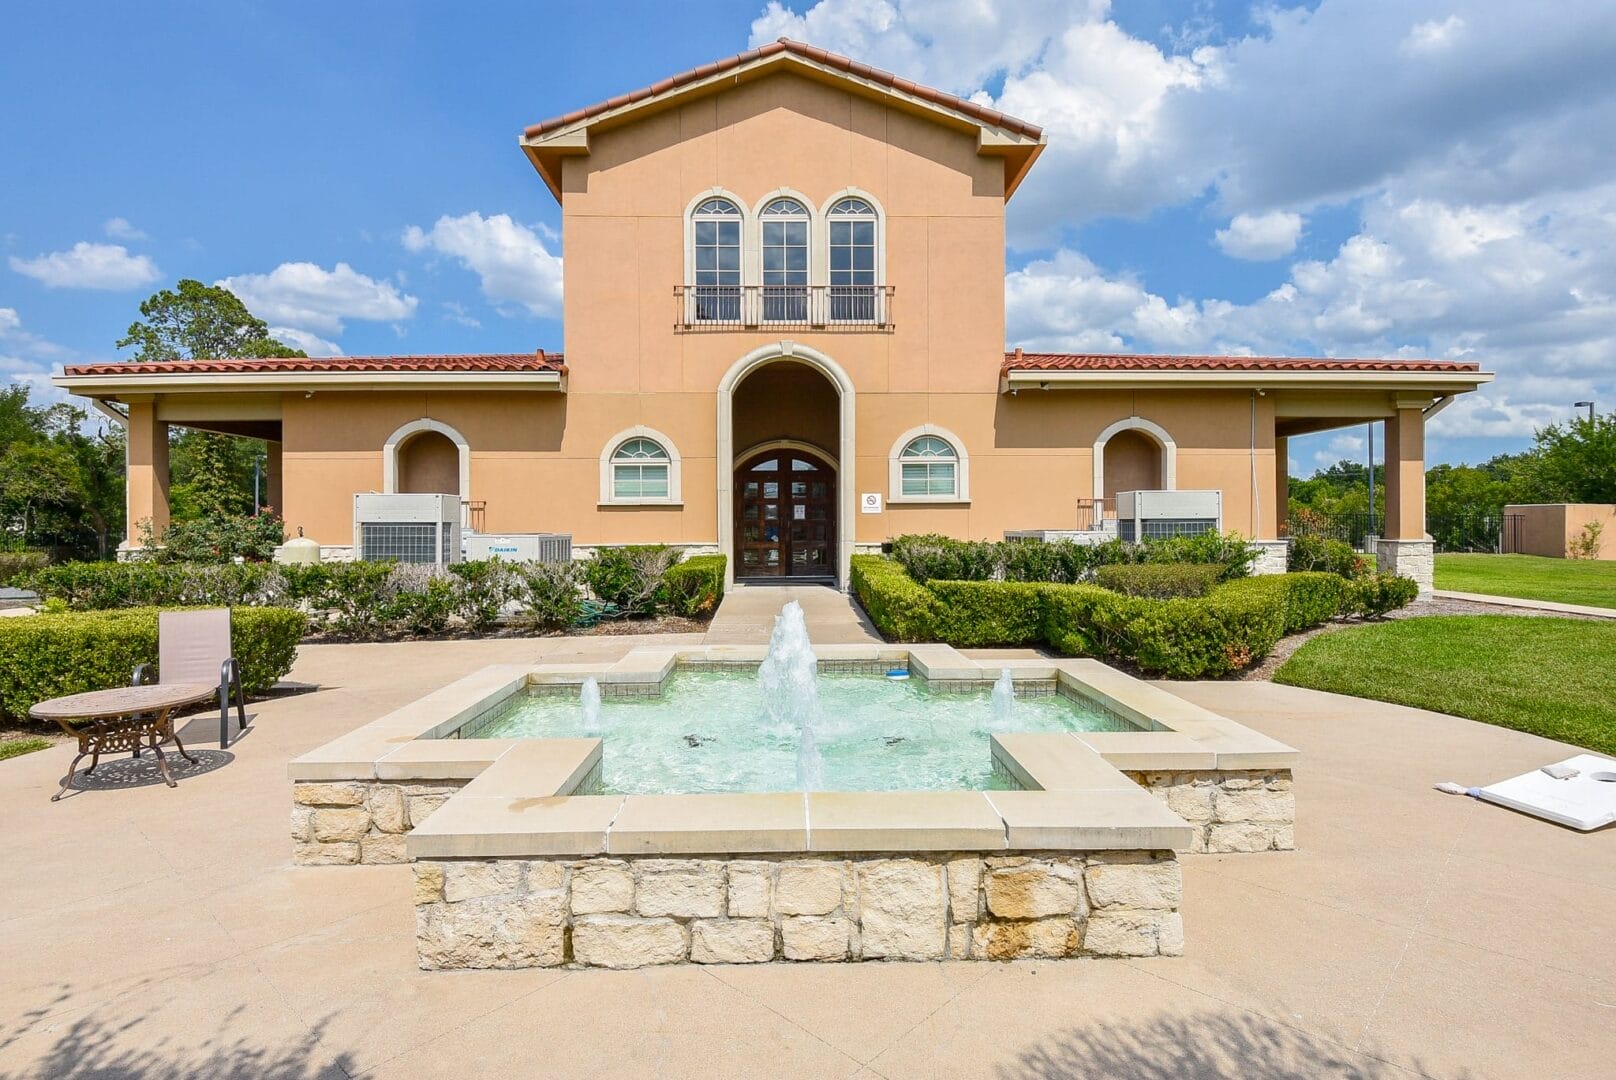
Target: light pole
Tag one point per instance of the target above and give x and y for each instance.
(1585, 405)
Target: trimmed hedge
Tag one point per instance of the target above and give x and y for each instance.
(1164, 581)
(1235, 624)
(900, 608)
(929, 556)
(695, 586)
(1308, 552)
(1372, 596)
(46, 656)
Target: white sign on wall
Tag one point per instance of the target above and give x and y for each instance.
(870, 502)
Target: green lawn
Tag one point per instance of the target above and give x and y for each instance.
(1531, 577)
(10, 748)
(1551, 677)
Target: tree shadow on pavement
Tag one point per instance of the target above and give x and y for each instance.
(1200, 1047)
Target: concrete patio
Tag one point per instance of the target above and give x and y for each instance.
(164, 933)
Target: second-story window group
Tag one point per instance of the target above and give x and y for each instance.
(800, 269)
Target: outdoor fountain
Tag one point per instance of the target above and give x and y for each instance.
(789, 678)
(589, 698)
(1004, 700)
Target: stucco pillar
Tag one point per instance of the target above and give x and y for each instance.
(1404, 550)
(272, 478)
(1282, 482)
(146, 471)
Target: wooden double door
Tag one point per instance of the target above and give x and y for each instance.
(785, 516)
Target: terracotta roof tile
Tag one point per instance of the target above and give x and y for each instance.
(538, 361)
(808, 52)
(1029, 361)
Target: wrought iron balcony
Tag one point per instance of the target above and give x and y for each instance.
(831, 308)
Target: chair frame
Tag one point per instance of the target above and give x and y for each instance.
(229, 688)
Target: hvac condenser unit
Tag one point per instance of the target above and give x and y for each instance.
(1149, 515)
(520, 547)
(409, 528)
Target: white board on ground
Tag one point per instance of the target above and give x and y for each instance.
(1583, 802)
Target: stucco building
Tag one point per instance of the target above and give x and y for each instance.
(784, 339)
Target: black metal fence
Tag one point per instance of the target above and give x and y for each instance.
(1479, 531)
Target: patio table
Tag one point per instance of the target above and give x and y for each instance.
(124, 718)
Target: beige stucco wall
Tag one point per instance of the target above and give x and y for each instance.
(1549, 529)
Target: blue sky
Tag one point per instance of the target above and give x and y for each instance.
(1376, 178)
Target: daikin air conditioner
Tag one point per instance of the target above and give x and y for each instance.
(409, 528)
(1150, 515)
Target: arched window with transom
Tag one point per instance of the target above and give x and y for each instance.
(853, 223)
(784, 229)
(928, 468)
(716, 260)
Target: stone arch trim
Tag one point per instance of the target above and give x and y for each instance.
(962, 480)
(846, 496)
(397, 439)
(811, 449)
(675, 468)
(1156, 432)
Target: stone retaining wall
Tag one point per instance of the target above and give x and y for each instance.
(1229, 811)
(357, 821)
(633, 912)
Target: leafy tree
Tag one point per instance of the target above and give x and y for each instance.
(211, 473)
(61, 477)
(1574, 462)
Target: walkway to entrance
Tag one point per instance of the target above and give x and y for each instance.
(746, 617)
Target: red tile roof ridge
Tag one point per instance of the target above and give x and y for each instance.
(809, 52)
(460, 362)
(1021, 360)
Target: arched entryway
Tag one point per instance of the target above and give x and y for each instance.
(785, 515)
(428, 463)
(785, 445)
(1134, 454)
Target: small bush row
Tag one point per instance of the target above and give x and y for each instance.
(45, 656)
(929, 556)
(377, 600)
(1320, 553)
(1162, 581)
(1226, 627)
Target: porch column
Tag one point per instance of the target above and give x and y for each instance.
(146, 469)
(1404, 550)
(1282, 483)
(272, 478)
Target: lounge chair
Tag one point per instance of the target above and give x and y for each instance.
(194, 647)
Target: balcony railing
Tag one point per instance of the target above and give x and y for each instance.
(1092, 514)
(839, 308)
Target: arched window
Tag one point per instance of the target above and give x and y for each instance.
(785, 261)
(853, 223)
(716, 252)
(639, 465)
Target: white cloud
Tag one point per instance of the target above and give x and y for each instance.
(307, 297)
(511, 259)
(1432, 36)
(455, 312)
(312, 344)
(120, 229)
(89, 265)
(28, 358)
(10, 321)
(1261, 236)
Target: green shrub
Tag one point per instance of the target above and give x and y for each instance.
(550, 593)
(16, 564)
(99, 586)
(900, 608)
(978, 614)
(695, 586)
(46, 656)
(216, 539)
(1314, 598)
(630, 577)
(932, 557)
(1160, 580)
(1321, 554)
(481, 588)
(928, 555)
(421, 601)
(1371, 597)
(355, 598)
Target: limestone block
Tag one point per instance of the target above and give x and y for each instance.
(622, 941)
(686, 888)
(1257, 804)
(1170, 934)
(1241, 836)
(334, 854)
(1279, 782)
(340, 825)
(443, 788)
(964, 890)
(303, 824)
(1133, 881)
(1192, 802)
(1034, 890)
(470, 880)
(808, 888)
(1285, 838)
(1059, 936)
(387, 811)
(815, 937)
(1124, 933)
(546, 875)
(903, 909)
(420, 807)
(1233, 782)
(501, 933)
(383, 848)
(959, 941)
(751, 889)
(731, 941)
(602, 886)
(428, 883)
(345, 793)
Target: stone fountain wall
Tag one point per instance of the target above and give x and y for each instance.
(1229, 810)
(634, 912)
(361, 821)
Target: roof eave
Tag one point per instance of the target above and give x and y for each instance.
(103, 387)
(1447, 382)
